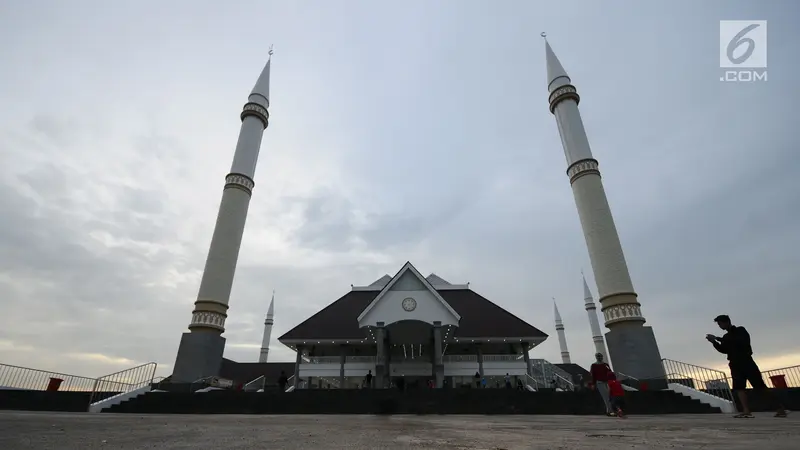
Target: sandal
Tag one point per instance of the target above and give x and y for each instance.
(781, 414)
(744, 416)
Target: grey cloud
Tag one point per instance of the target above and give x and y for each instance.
(449, 158)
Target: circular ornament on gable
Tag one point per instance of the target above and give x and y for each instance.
(409, 304)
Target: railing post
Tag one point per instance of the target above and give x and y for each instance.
(94, 390)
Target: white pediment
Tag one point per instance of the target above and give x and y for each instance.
(408, 296)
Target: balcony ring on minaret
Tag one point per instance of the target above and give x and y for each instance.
(581, 168)
(208, 319)
(240, 181)
(257, 111)
(559, 95)
(624, 312)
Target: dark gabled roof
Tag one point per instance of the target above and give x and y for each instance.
(482, 318)
(339, 320)
(247, 372)
(576, 371)
(479, 318)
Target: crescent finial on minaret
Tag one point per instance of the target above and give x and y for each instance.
(270, 52)
(543, 35)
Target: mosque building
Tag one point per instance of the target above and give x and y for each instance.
(413, 328)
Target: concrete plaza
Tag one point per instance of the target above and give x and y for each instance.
(64, 431)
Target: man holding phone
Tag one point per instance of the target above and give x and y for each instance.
(736, 344)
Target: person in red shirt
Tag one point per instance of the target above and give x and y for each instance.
(599, 371)
(617, 395)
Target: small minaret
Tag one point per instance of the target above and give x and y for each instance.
(594, 323)
(631, 346)
(200, 350)
(267, 330)
(562, 337)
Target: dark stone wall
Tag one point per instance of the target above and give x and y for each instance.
(436, 401)
(633, 351)
(199, 355)
(761, 401)
(48, 401)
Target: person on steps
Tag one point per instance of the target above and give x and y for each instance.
(599, 371)
(283, 381)
(736, 344)
(368, 379)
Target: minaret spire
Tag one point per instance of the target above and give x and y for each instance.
(562, 337)
(631, 346)
(267, 330)
(594, 323)
(260, 93)
(200, 350)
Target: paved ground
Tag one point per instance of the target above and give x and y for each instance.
(66, 431)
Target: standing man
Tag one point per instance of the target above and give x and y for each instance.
(368, 379)
(599, 371)
(283, 381)
(736, 344)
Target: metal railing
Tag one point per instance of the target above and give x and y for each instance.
(790, 376)
(550, 379)
(627, 381)
(210, 381)
(322, 360)
(359, 359)
(699, 378)
(499, 358)
(25, 378)
(534, 382)
(255, 385)
(459, 358)
(545, 373)
(123, 381)
(158, 381)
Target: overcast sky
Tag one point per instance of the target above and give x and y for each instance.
(414, 130)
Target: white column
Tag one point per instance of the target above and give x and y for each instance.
(631, 345)
(213, 296)
(267, 331)
(200, 350)
(617, 297)
(438, 365)
(594, 323)
(562, 338)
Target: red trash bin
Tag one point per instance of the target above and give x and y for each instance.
(778, 381)
(54, 384)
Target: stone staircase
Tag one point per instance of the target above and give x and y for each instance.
(437, 401)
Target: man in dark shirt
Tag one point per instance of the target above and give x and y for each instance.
(736, 344)
(599, 371)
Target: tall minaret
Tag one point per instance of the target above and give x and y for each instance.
(632, 346)
(267, 330)
(562, 337)
(594, 324)
(200, 350)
